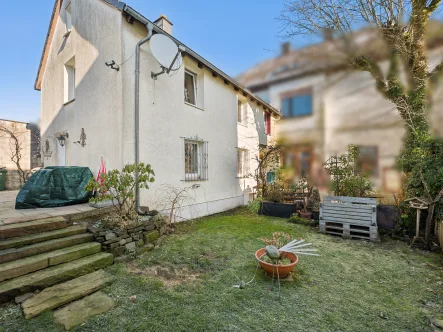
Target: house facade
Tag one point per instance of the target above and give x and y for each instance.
(197, 128)
(326, 107)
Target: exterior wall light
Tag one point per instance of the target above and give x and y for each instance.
(62, 139)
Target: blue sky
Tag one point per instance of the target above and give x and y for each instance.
(232, 34)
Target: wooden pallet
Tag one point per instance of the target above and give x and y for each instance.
(350, 231)
(349, 217)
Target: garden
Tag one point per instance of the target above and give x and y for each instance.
(187, 284)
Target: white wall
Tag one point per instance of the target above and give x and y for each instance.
(165, 119)
(104, 106)
(95, 39)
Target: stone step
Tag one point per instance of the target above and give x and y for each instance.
(58, 295)
(40, 237)
(27, 265)
(53, 275)
(13, 254)
(32, 227)
(78, 312)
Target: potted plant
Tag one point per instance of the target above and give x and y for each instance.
(306, 191)
(313, 204)
(279, 257)
(273, 205)
(281, 267)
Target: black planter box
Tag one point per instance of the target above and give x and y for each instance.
(280, 210)
(387, 216)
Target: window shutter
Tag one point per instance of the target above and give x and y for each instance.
(268, 123)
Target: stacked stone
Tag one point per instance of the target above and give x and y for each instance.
(149, 232)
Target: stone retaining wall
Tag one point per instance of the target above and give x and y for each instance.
(149, 232)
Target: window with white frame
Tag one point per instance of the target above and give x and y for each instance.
(242, 163)
(190, 89)
(196, 159)
(69, 81)
(241, 112)
(68, 18)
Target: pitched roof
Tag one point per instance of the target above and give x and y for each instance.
(328, 55)
(126, 10)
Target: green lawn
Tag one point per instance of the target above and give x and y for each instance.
(352, 286)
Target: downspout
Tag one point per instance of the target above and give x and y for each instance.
(150, 27)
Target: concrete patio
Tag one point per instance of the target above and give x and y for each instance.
(9, 215)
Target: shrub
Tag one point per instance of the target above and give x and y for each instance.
(119, 188)
(346, 181)
(254, 206)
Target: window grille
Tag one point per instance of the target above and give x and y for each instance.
(195, 159)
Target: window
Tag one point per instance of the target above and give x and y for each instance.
(69, 81)
(268, 124)
(190, 88)
(270, 177)
(68, 18)
(242, 163)
(367, 162)
(305, 162)
(242, 113)
(196, 159)
(297, 105)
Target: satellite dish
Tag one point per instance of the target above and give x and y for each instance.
(166, 52)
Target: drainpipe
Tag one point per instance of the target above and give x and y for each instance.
(150, 27)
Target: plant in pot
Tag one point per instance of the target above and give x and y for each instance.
(306, 191)
(279, 257)
(313, 204)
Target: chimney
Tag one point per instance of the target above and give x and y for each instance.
(286, 48)
(163, 23)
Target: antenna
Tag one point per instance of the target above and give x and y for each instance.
(166, 52)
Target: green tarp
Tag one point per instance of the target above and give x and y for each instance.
(55, 186)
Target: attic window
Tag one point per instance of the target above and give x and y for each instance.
(68, 18)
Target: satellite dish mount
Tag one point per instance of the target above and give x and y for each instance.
(166, 52)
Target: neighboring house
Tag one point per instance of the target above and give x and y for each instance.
(15, 140)
(326, 106)
(197, 126)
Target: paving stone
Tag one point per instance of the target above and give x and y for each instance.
(21, 298)
(27, 265)
(79, 311)
(32, 227)
(53, 275)
(58, 295)
(41, 237)
(12, 254)
(26, 218)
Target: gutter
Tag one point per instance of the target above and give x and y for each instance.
(136, 15)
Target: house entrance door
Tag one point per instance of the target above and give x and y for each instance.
(61, 155)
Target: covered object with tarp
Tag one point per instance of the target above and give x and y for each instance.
(55, 186)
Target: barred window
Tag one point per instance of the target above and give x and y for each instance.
(196, 159)
(242, 163)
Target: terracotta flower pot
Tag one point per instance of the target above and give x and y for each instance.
(283, 270)
(305, 215)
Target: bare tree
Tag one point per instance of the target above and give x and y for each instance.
(17, 144)
(173, 199)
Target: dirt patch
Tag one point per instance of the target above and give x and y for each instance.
(169, 276)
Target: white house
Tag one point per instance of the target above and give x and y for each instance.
(197, 127)
(325, 106)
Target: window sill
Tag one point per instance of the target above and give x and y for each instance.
(195, 180)
(195, 106)
(69, 102)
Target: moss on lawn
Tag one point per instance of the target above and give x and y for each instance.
(353, 286)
